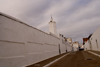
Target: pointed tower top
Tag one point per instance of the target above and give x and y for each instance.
(51, 18)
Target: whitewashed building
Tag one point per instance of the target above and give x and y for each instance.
(94, 42)
(23, 45)
(75, 46)
(69, 44)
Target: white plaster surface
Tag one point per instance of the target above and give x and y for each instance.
(21, 44)
(94, 45)
(87, 46)
(75, 46)
(52, 27)
(69, 48)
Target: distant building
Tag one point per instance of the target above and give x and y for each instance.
(69, 40)
(75, 46)
(69, 44)
(85, 40)
(81, 47)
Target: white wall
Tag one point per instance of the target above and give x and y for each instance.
(94, 45)
(87, 46)
(63, 47)
(22, 45)
(95, 36)
(75, 46)
(69, 48)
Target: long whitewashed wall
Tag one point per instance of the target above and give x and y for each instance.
(95, 41)
(22, 45)
(63, 46)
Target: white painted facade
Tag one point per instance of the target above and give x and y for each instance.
(94, 42)
(23, 45)
(52, 27)
(69, 48)
(87, 46)
(75, 46)
(69, 44)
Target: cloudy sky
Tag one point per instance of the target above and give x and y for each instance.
(74, 18)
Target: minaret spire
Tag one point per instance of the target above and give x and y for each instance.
(51, 18)
(52, 26)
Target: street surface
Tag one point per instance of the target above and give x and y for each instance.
(73, 59)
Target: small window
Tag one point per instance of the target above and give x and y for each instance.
(97, 43)
(91, 38)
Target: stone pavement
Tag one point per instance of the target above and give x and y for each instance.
(73, 59)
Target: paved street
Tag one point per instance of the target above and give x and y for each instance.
(73, 59)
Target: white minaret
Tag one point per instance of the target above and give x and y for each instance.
(52, 26)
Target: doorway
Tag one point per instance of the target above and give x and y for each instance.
(59, 49)
(97, 43)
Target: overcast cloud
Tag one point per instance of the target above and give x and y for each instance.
(74, 18)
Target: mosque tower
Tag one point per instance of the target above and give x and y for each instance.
(52, 26)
